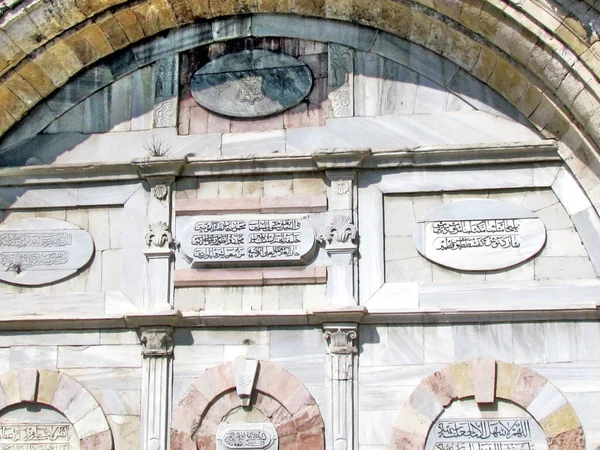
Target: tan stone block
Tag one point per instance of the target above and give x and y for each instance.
(569, 89)
(275, 6)
(154, 17)
(47, 385)
(365, 12)
(96, 37)
(130, 24)
(506, 377)
(83, 50)
(10, 387)
(543, 113)
(36, 77)
(396, 18)
(501, 74)
(308, 7)
(252, 187)
(113, 31)
(461, 376)
(66, 57)
(469, 13)
(43, 19)
(338, 9)
(93, 7)
(183, 11)
(461, 50)
(66, 13)
(562, 420)
(507, 33)
(516, 87)
(441, 385)
(22, 89)
(558, 125)
(523, 45)
(485, 65)
(573, 41)
(28, 382)
(489, 18)
(11, 103)
(449, 8)
(232, 7)
(51, 68)
(190, 408)
(527, 387)
(419, 33)
(6, 120)
(436, 42)
(530, 100)
(3, 64)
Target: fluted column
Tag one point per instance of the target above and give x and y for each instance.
(341, 372)
(157, 349)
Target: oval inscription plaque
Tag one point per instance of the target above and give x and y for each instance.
(247, 239)
(479, 235)
(39, 251)
(251, 83)
(246, 436)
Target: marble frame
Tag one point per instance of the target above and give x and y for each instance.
(133, 197)
(64, 394)
(375, 294)
(520, 385)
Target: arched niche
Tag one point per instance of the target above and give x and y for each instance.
(66, 409)
(487, 383)
(278, 397)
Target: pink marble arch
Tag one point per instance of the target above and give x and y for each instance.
(64, 394)
(482, 378)
(278, 395)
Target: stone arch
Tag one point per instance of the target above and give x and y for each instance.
(64, 394)
(520, 385)
(278, 395)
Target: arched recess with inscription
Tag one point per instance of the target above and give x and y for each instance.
(486, 381)
(277, 394)
(63, 394)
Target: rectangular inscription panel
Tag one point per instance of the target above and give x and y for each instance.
(247, 239)
(35, 437)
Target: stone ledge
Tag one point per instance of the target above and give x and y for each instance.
(250, 277)
(293, 204)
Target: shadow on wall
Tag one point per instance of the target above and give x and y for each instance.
(116, 97)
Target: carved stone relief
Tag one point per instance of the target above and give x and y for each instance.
(166, 72)
(341, 80)
(479, 235)
(251, 83)
(39, 251)
(503, 426)
(247, 239)
(247, 436)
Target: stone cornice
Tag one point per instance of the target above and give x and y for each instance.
(429, 156)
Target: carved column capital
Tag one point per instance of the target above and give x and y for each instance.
(157, 342)
(341, 338)
(339, 235)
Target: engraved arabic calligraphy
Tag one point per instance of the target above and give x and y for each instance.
(484, 434)
(246, 439)
(35, 437)
(479, 235)
(255, 238)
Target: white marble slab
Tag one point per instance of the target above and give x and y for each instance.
(100, 356)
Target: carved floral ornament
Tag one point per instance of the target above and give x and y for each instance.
(340, 340)
(157, 341)
(340, 230)
(159, 235)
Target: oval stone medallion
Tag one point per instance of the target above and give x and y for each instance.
(40, 251)
(479, 235)
(251, 83)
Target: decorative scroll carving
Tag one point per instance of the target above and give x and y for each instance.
(341, 347)
(165, 92)
(340, 230)
(159, 235)
(341, 80)
(164, 114)
(157, 342)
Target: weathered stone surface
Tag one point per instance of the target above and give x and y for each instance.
(251, 83)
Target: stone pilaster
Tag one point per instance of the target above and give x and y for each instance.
(157, 349)
(159, 173)
(341, 373)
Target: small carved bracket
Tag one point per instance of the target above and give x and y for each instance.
(245, 376)
(340, 232)
(157, 341)
(159, 235)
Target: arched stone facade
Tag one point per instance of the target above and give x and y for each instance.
(280, 396)
(64, 394)
(508, 381)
